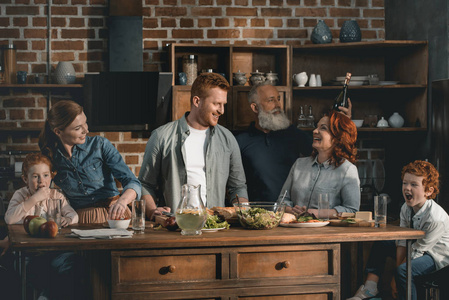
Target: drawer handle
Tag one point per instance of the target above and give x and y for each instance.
(286, 264)
(171, 269)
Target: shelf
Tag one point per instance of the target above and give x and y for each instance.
(362, 87)
(370, 129)
(19, 129)
(41, 86)
(363, 45)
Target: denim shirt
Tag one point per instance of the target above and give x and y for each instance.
(163, 169)
(88, 176)
(308, 178)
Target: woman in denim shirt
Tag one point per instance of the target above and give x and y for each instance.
(86, 166)
(330, 169)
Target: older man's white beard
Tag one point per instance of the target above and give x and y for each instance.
(273, 122)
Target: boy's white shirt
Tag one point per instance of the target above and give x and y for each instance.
(434, 220)
(16, 212)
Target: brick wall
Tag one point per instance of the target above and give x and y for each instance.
(79, 35)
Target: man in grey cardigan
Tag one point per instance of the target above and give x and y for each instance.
(194, 150)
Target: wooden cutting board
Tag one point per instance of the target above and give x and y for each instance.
(360, 223)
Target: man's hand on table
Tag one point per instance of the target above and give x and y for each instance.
(157, 212)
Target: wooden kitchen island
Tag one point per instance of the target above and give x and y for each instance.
(282, 263)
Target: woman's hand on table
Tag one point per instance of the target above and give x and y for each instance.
(298, 210)
(117, 210)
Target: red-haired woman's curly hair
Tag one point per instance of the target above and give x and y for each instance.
(344, 133)
(426, 170)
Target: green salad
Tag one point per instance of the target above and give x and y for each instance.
(259, 218)
(214, 222)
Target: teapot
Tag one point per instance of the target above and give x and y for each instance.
(257, 78)
(272, 78)
(240, 78)
(300, 79)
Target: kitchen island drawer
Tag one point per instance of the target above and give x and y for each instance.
(312, 263)
(165, 269)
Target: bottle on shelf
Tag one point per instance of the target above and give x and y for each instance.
(310, 118)
(342, 98)
(302, 120)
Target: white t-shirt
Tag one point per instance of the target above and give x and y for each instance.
(195, 146)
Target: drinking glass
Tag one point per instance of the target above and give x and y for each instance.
(380, 211)
(54, 211)
(323, 206)
(138, 215)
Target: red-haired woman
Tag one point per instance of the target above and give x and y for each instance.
(330, 169)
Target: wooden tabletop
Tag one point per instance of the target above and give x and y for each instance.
(236, 236)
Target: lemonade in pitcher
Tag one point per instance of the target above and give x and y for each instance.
(191, 214)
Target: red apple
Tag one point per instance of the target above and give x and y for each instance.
(48, 229)
(26, 223)
(35, 224)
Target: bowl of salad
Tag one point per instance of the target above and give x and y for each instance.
(259, 215)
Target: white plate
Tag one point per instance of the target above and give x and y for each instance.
(388, 82)
(303, 225)
(212, 229)
(361, 78)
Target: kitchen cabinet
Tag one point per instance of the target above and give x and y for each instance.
(225, 272)
(228, 60)
(404, 62)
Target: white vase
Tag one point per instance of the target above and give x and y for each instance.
(300, 78)
(312, 80)
(64, 73)
(396, 120)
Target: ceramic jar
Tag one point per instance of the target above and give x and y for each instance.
(350, 32)
(300, 79)
(256, 78)
(239, 78)
(396, 120)
(382, 123)
(64, 73)
(321, 34)
(272, 78)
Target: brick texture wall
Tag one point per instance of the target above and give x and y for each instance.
(79, 34)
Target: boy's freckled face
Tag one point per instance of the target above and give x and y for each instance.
(38, 176)
(414, 192)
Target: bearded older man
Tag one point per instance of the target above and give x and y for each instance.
(271, 144)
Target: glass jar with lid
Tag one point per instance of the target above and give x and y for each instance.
(190, 67)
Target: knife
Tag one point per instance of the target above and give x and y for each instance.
(168, 214)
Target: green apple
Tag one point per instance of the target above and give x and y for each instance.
(35, 224)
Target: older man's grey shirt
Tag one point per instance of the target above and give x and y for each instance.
(308, 178)
(163, 166)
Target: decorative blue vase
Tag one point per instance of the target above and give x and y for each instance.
(321, 34)
(182, 78)
(350, 32)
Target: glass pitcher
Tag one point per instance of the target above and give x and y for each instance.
(191, 214)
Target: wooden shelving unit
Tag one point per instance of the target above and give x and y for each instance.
(402, 61)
